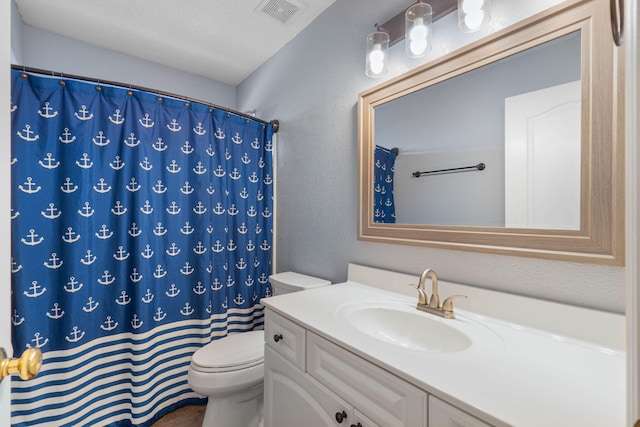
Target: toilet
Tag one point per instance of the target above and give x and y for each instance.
(230, 370)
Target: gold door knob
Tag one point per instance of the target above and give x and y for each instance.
(27, 366)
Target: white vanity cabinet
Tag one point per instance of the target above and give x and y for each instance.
(334, 387)
(441, 414)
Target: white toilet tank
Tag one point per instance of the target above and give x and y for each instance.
(289, 281)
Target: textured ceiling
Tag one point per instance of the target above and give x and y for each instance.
(224, 40)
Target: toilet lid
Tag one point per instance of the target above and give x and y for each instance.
(231, 353)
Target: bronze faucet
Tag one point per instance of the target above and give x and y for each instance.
(432, 304)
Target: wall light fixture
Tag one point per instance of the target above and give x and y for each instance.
(414, 26)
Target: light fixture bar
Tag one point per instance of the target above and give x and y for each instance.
(395, 26)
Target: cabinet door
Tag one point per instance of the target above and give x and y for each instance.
(292, 398)
(441, 414)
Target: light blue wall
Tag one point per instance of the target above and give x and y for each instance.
(42, 49)
(16, 34)
(312, 86)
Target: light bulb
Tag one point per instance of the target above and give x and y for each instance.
(474, 19)
(470, 6)
(418, 47)
(376, 59)
(419, 30)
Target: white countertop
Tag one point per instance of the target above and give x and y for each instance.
(521, 376)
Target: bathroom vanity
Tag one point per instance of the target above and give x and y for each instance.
(360, 354)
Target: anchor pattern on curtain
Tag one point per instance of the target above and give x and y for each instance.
(141, 230)
(384, 210)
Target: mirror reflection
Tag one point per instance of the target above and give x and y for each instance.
(499, 146)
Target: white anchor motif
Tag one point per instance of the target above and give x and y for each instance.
(219, 134)
(219, 210)
(160, 230)
(199, 169)
(187, 269)
(243, 228)
(210, 151)
(254, 297)
(187, 148)
(268, 146)
(89, 258)
(231, 246)
(160, 272)
(68, 186)
(54, 262)
(37, 290)
(209, 268)
(230, 282)
(32, 236)
(159, 188)
(219, 172)
(199, 289)
(199, 249)
(256, 263)
(159, 145)
(117, 164)
(133, 186)
(146, 121)
(72, 285)
(250, 246)
(233, 211)
(145, 164)
(159, 315)
(173, 209)
(239, 300)
(265, 246)
(135, 322)
(106, 278)
(235, 175)
(186, 188)
(118, 209)
(236, 139)
(132, 141)
(84, 162)
(15, 267)
(263, 279)
(81, 114)
(199, 130)
(146, 208)
(37, 342)
(267, 179)
(134, 231)
(102, 186)
(173, 291)
(209, 308)
(173, 250)
(29, 186)
(14, 160)
(259, 196)
(148, 297)
(210, 229)
(255, 144)
(174, 126)
(27, 136)
(116, 118)
(199, 209)
(147, 253)
(135, 276)
(218, 247)
(252, 211)
(225, 304)
(90, 305)
(253, 178)
(266, 212)
(104, 233)
(216, 285)
(86, 210)
(241, 265)
(109, 324)
(68, 137)
(13, 107)
(187, 310)
(51, 212)
(100, 140)
(245, 159)
(227, 155)
(48, 162)
(261, 163)
(174, 167)
(123, 299)
(75, 335)
(249, 282)
(210, 189)
(16, 319)
(267, 292)
(121, 254)
(15, 214)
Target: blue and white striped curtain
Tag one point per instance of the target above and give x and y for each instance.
(141, 231)
(384, 210)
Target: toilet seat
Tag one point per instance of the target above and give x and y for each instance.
(232, 353)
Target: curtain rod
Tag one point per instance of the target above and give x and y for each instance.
(479, 166)
(274, 123)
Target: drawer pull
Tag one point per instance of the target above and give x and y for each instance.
(341, 416)
(356, 425)
(277, 337)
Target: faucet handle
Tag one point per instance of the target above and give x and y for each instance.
(422, 296)
(447, 305)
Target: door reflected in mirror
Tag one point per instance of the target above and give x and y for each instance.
(519, 116)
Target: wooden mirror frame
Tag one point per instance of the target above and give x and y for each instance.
(601, 236)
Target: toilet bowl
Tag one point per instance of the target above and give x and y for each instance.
(230, 370)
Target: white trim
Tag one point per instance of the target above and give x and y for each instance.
(632, 47)
(274, 238)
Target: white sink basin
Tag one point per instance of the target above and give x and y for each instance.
(402, 325)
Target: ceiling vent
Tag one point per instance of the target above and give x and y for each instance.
(281, 10)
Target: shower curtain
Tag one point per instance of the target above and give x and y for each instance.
(384, 210)
(141, 231)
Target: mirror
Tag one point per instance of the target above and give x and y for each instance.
(510, 145)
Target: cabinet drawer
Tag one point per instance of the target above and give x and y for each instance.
(379, 395)
(443, 414)
(285, 337)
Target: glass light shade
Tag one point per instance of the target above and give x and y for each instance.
(377, 52)
(473, 15)
(417, 40)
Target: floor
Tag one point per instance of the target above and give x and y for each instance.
(187, 416)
